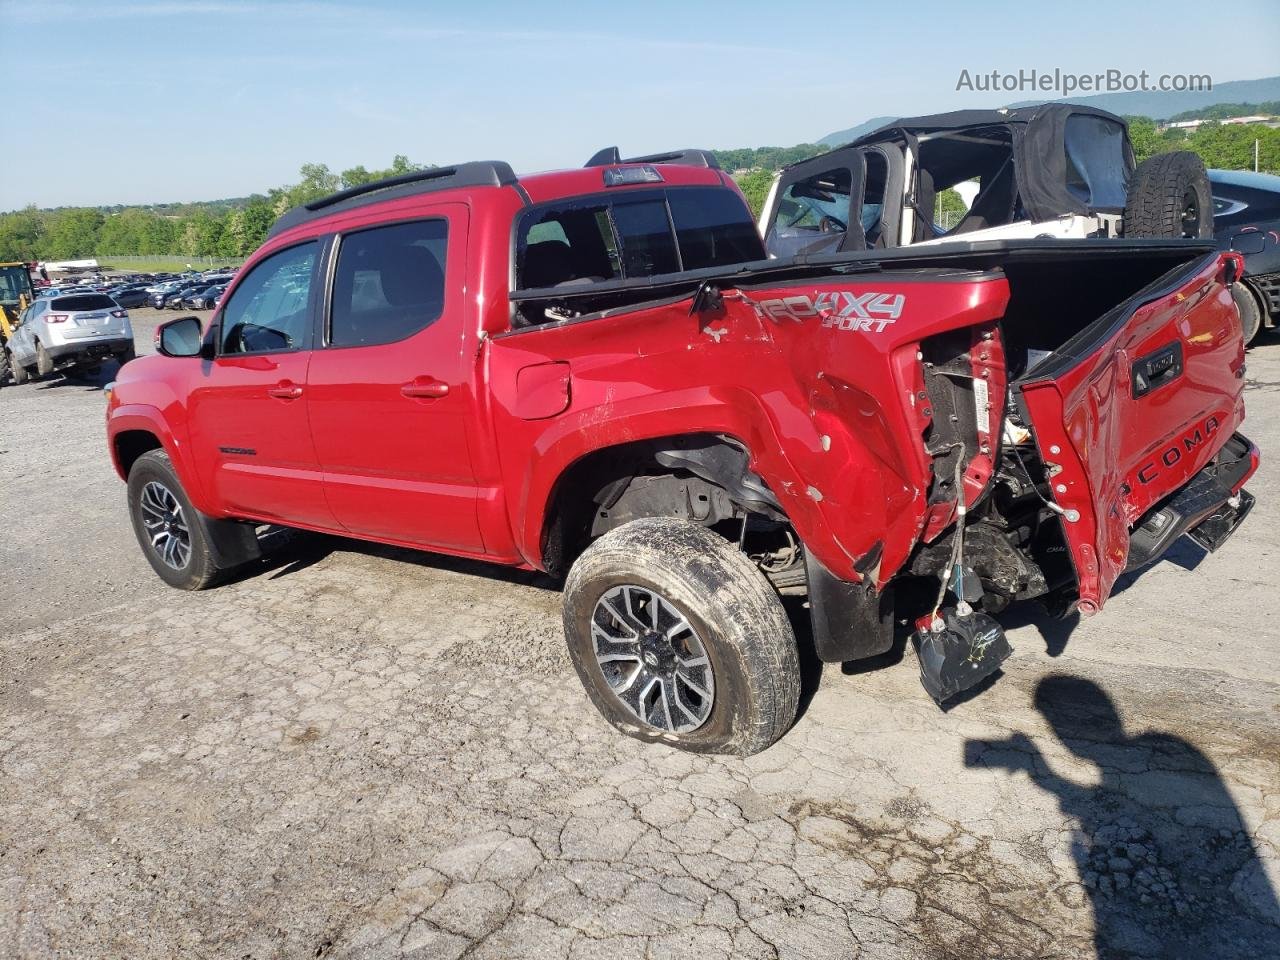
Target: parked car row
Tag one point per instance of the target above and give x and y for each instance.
(187, 291)
(198, 294)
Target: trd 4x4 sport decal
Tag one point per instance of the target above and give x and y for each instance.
(839, 310)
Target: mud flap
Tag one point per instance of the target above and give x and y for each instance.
(850, 620)
(232, 542)
(957, 651)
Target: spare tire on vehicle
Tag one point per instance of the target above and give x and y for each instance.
(1169, 197)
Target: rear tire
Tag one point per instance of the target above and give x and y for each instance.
(4, 366)
(20, 375)
(1169, 198)
(44, 362)
(169, 529)
(128, 353)
(736, 642)
(1250, 310)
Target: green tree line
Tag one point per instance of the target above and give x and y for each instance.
(229, 230)
(1224, 111)
(1224, 146)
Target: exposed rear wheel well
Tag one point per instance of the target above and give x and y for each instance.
(704, 478)
(131, 444)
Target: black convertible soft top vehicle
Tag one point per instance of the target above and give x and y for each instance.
(1057, 170)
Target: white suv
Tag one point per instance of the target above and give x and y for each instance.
(73, 332)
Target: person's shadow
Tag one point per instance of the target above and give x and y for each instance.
(1167, 862)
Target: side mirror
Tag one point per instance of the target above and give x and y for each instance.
(179, 338)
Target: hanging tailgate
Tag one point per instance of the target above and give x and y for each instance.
(1134, 407)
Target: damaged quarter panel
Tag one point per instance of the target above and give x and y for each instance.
(816, 379)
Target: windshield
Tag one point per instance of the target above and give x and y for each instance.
(807, 203)
(14, 282)
(813, 214)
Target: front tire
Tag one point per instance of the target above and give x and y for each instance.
(677, 637)
(169, 529)
(20, 375)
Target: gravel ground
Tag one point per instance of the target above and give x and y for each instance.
(363, 752)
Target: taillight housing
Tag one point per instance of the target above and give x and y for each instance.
(55, 317)
(120, 314)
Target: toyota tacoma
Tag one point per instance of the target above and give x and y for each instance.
(597, 373)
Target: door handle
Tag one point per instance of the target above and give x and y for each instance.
(285, 390)
(425, 388)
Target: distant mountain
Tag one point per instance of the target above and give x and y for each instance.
(853, 133)
(1157, 105)
(1162, 106)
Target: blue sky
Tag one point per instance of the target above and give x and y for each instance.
(162, 100)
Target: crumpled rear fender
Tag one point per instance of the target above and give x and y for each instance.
(829, 476)
(733, 413)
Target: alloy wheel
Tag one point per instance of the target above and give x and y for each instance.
(652, 659)
(166, 525)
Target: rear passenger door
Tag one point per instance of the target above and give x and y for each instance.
(391, 386)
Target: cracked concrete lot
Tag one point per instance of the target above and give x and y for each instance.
(360, 752)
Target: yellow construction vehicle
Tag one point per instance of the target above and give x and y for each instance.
(16, 293)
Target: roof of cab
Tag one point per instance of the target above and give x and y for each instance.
(682, 167)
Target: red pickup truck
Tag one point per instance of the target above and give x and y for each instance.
(598, 373)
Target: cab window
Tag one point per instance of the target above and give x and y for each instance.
(269, 311)
(389, 283)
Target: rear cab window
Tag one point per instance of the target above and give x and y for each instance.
(575, 243)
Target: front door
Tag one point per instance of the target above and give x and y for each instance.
(390, 389)
(248, 407)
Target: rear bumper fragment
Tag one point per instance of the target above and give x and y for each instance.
(76, 350)
(1209, 507)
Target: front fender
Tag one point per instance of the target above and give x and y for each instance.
(149, 419)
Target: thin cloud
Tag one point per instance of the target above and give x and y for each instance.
(84, 12)
(552, 38)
